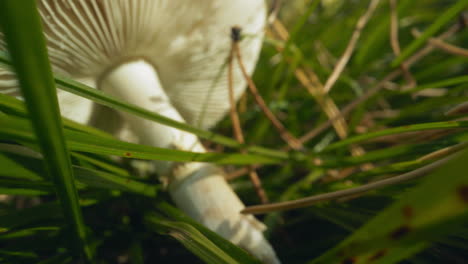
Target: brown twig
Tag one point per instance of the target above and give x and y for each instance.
(343, 61)
(395, 44)
(313, 85)
(368, 94)
(239, 135)
(239, 173)
(444, 152)
(305, 202)
(394, 39)
(274, 11)
(324, 56)
(449, 48)
(379, 86)
(284, 133)
(460, 109)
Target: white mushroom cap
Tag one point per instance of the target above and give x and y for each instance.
(186, 41)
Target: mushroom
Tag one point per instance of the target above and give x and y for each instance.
(169, 57)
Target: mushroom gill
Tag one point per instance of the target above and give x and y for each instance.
(168, 56)
(186, 41)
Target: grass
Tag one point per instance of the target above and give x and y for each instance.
(21, 25)
(403, 112)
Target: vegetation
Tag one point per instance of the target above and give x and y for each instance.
(374, 91)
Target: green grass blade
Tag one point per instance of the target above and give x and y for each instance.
(114, 103)
(99, 179)
(401, 151)
(28, 232)
(17, 129)
(234, 251)
(398, 130)
(82, 142)
(107, 166)
(16, 256)
(440, 84)
(22, 191)
(101, 98)
(32, 179)
(376, 36)
(13, 106)
(24, 217)
(289, 45)
(41, 187)
(22, 28)
(12, 168)
(441, 21)
(416, 219)
(191, 238)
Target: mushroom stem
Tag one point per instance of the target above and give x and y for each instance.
(205, 195)
(199, 189)
(138, 83)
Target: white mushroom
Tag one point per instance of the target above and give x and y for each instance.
(169, 57)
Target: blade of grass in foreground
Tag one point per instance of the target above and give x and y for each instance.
(191, 238)
(17, 129)
(114, 103)
(408, 225)
(16, 107)
(33, 176)
(21, 25)
(225, 245)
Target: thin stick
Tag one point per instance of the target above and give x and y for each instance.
(444, 152)
(274, 11)
(379, 86)
(233, 111)
(239, 173)
(343, 61)
(238, 129)
(284, 133)
(395, 43)
(313, 85)
(305, 202)
(449, 48)
(369, 93)
(458, 109)
(350, 107)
